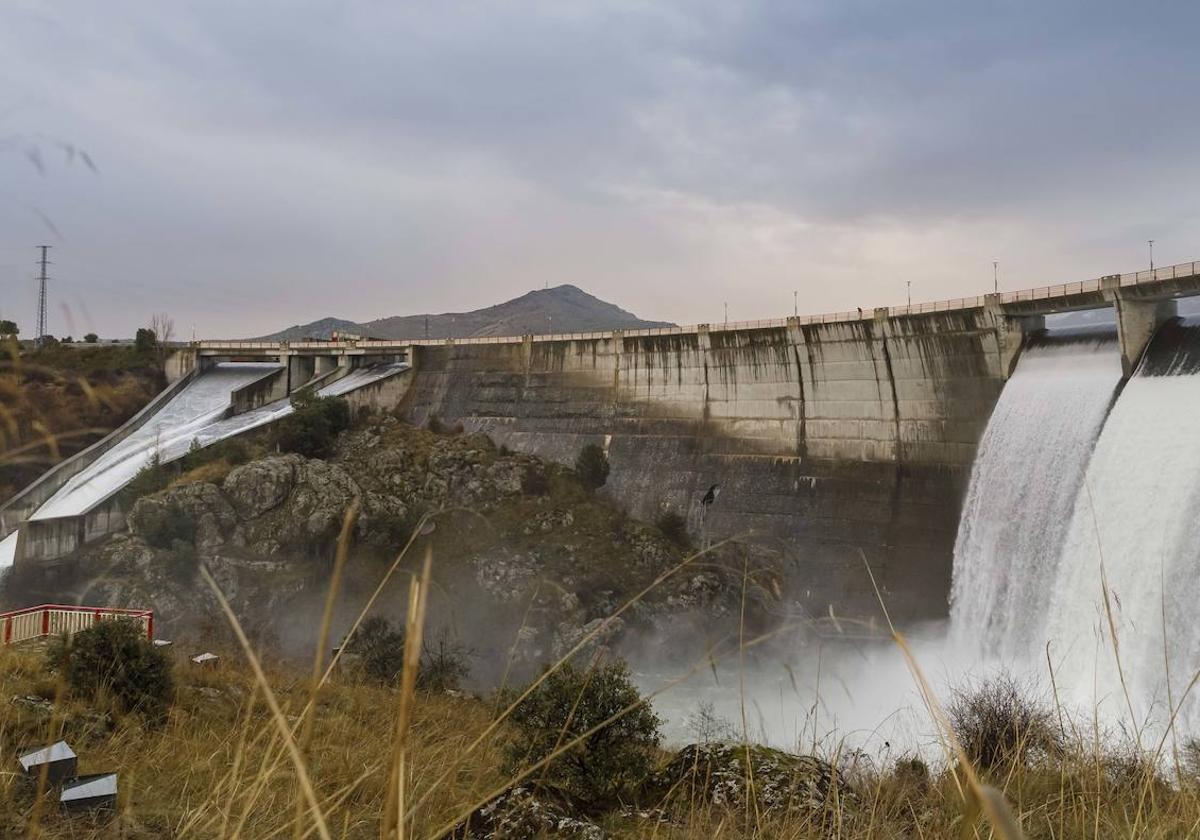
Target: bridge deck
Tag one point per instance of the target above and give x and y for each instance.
(1171, 281)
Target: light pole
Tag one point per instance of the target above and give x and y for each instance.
(795, 305)
(909, 283)
(1151, 241)
(727, 313)
(996, 276)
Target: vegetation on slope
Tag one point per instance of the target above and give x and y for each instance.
(58, 400)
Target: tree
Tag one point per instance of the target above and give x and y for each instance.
(91, 338)
(9, 329)
(570, 702)
(592, 466)
(145, 341)
(163, 327)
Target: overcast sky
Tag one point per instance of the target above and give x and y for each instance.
(259, 164)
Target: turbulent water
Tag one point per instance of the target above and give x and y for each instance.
(1136, 529)
(1027, 473)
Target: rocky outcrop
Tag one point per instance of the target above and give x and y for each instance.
(289, 502)
(526, 812)
(202, 505)
(733, 775)
(530, 568)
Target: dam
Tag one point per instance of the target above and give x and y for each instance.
(839, 441)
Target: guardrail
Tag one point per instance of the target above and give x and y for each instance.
(1168, 272)
(52, 619)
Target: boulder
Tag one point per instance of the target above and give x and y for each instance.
(260, 486)
(201, 504)
(717, 773)
(526, 812)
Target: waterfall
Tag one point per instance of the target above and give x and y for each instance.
(1023, 487)
(1137, 516)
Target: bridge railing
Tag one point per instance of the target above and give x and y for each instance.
(1168, 272)
(53, 619)
(1156, 275)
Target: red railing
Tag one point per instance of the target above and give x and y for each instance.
(52, 619)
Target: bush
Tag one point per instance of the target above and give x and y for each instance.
(443, 665)
(91, 338)
(1000, 723)
(568, 703)
(390, 531)
(673, 527)
(234, 451)
(591, 467)
(148, 480)
(535, 483)
(380, 649)
(114, 657)
(313, 426)
(163, 526)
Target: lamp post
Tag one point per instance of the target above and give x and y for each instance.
(909, 284)
(996, 276)
(1151, 241)
(795, 305)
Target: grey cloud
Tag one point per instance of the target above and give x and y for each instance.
(448, 155)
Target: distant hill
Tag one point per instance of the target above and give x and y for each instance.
(561, 309)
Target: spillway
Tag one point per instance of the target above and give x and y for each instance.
(1027, 472)
(1136, 527)
(201, 403)
(195, 415)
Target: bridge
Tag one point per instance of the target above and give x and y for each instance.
(1141, 301)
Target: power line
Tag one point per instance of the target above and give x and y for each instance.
(41, 313)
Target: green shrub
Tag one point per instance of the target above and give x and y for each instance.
(535, 482)
(91, 338)
(390, 531)
(114, 657)
(163, 526)
(591, 467)
(568, 703)
(380, 650)
(673, 527)
(150, 479)
(234, 451)
(313, 426)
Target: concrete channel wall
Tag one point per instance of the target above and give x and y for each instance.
(18, 508)
(831, 442)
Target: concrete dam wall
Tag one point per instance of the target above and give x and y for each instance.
(831, 441)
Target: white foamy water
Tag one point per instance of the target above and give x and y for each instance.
(8, 550)
(1138, 516)
(1027, 473)
(197, 414)
(200, 403)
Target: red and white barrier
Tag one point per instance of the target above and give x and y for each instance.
(53, 619)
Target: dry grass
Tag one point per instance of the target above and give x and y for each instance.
(56, 402)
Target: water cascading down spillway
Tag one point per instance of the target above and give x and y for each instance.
(1027, 473)
(1135, 534)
